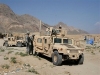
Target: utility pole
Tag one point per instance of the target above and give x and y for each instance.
(40, 28)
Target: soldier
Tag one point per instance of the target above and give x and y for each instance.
(31, 45)
(48, 31)
(28, 42)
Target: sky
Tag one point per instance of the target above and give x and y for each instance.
(81, 14)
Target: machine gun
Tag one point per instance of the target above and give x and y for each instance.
(55, 32)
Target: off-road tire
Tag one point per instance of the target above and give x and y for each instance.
(6, 44)
(58, 60)
(19, 44)
(34, 53)
(81, 59)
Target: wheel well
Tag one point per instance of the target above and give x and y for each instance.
(55, 50)
(19, 42)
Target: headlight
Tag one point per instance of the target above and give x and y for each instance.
(68, 51)
(79, 51)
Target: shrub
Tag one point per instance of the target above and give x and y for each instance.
(5, 66)
(23, 54)
(6, 58)
(13, 60)
(32, 70)
(10, 52)
(17, 53)
(1, 49)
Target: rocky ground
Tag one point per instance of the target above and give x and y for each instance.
(14, 61)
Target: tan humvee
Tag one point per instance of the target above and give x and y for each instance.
(56, 45)
(14, 40)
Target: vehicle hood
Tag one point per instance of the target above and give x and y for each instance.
(66, 46)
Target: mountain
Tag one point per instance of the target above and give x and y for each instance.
(11, 22)
(70, 29)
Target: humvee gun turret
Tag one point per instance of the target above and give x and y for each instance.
(56, 45)
(14, 40)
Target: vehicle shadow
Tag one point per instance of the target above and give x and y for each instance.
(67, 62)
(46, 58)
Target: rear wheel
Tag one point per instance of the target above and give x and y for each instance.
(34, 52)
(19, 44)
(56, 58)
(6, 44)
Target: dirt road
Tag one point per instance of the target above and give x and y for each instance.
(43, 65)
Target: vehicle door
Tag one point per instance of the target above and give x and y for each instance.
(39, 44)
(11, 41)
(46, 43)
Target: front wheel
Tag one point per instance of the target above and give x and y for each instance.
(81, 59)
(6, 44)
(19, 44)
(56, 58)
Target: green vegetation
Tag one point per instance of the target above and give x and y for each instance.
(23, 54)
(6, 58)
(38, 57)
(52, 66)
(13, 59)
(17, 53)
(28, 65)
(32, 70)
(1, 49)
(93, 52)
(5, 66)
(10, 49)
(88, 47)
(9, 52)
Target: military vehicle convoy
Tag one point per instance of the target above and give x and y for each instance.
(14, 40)
(56, 45)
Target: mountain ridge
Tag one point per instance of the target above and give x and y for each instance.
(11, 22)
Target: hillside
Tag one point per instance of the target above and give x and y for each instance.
(71, 30)
(11, 22)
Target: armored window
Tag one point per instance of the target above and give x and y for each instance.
(48, 32)
(45, 40)
(9, 39)
(65, 40)
(57, 40)
(69, 41)
(39, 40)
(12, 39)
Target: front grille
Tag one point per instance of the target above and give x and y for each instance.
(73, 51)
(69, 46)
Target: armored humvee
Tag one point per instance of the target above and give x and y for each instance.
(56, 45)
(14, 40)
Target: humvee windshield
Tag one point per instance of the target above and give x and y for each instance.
(57, 40)
(62, 40)
(67, 41)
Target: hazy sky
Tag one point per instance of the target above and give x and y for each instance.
(83, 14)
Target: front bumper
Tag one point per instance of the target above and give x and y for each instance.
(73, 56)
